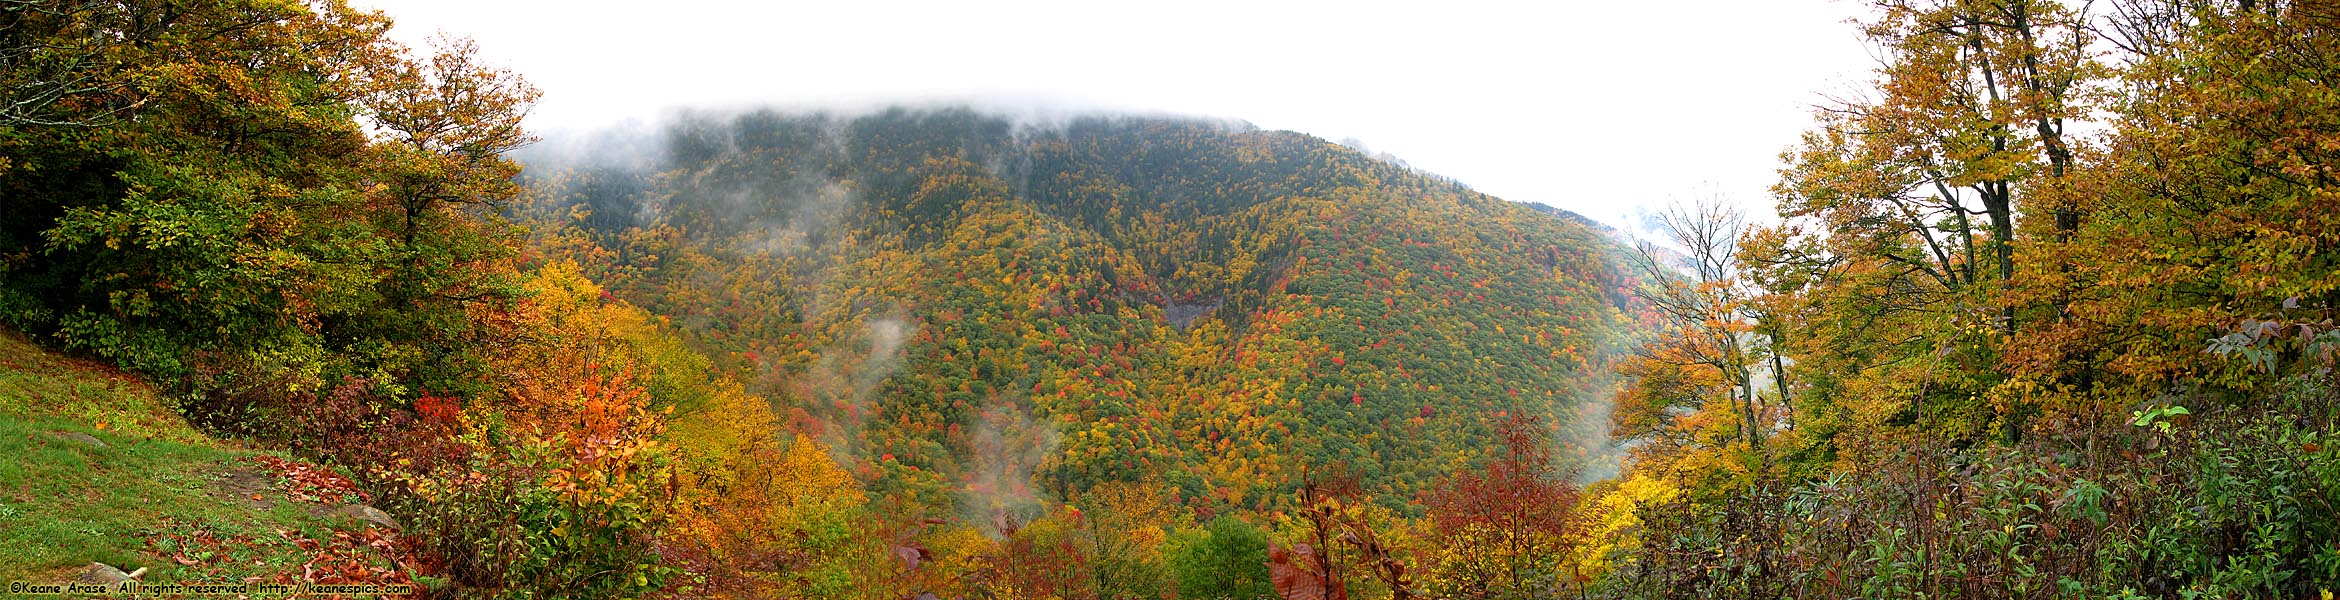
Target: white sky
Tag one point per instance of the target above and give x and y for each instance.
(1596, 107)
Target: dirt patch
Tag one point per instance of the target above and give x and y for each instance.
(244, 486)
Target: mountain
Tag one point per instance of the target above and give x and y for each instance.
(978, 312)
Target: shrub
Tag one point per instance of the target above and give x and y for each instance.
(2236, 503)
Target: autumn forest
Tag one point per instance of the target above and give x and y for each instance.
(2045, 309)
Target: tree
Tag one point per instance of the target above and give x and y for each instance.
(1227, 558)
(439, 183)
(1974, 97)
(1507, 529)
(1128, 524)
(296, 200)
(76, 63)
(2210, 206)
(1337, 516)
(1905, 214)
(1695, 387)
(210, 228)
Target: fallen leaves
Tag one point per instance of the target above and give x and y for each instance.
(371, 555)
(308, 482)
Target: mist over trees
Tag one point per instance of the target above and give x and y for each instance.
(2046, 310)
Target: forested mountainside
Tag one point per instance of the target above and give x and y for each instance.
(962, 305)
(2050, 308)
(913, 351)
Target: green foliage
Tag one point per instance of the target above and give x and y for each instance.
(2156, 417)
(572, 543)
(146, 239)
(1226, 558)
(2238, 504)
(209, 209)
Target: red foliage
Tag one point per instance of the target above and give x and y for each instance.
(1516, 507)
(1517, 493)
(356, 557)
(438, 411)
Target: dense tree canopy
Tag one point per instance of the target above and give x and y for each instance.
(1213, 305)
(2047, 310)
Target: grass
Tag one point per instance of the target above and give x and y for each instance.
(38, 384)
(151, 498)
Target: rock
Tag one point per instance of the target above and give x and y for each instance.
(365, 513)
(76, 436)
(244, 486)
(1182, 315)
(106, 575)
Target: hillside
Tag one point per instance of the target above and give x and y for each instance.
(102, 470)
(964, 305)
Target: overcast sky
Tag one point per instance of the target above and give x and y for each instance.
(1596, 107)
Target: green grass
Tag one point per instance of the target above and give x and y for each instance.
(65, 503)
(36, 383)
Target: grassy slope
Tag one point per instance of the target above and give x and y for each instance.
(139, 502)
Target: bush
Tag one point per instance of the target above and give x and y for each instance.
(512, 505)
(2237, 503)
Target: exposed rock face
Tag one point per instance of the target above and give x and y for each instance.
(1183, 315)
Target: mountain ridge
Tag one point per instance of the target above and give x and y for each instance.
(1087, 235)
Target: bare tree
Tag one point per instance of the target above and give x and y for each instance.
(1702, 299)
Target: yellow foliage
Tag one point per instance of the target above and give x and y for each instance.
(807, 477)
(1614, 522)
